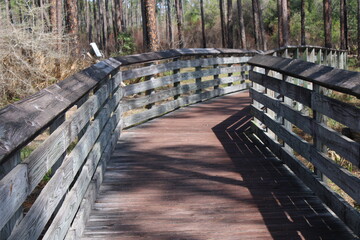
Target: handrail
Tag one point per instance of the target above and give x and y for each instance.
(74, 125)
(81, 118)
(291, 100)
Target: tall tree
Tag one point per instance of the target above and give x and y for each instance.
(169, 27)
(262, 28)
(358, 32)
(256, 21)
(179, 19)
(151, 42)
(241, 26)
(327, 11)
(203, 24)
(8, 11)
(222, 19)
(303, 41)
(72, 17)
(118, 12)
(53, 19)
(343, 25)
(88, 21)
(285, 22)
(230, 28)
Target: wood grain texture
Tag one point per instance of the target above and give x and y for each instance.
(339, 175)
(336, 79)
(335, 202)
(202, 178)
(343, 145)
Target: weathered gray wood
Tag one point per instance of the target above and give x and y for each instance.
(21, 121)
(7, 165)
(340, 176)
(169, 106)
(337, 110)
(159, 82)
(14, 221)
(194, 63)
(165, 94)
(344, 146)
(94, 168)
(297, 93)
(36, 219)
(341, 208)
(336, 79)
(13, 191)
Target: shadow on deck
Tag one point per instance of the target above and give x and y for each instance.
(195, 174)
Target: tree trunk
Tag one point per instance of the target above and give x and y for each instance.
(280, 24)
(346, 26)
(151, 42)
(262, 28)
(169, 27)
(53, 18)
(241, 26)
(303, 39)
(343, 23)
(285, 22)
(358, 32)
(88, 21)
(118, 18)
(71, 20)
(59, 16)
(230, 28)
(327, 22)
(255, 9)
(222, 19)
(203, 24)
(178, 6)
(8, 11)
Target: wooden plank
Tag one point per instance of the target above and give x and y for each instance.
(42, 158)
(165, 94)
(13, 192)
(342, 112)
(159, 82)
(160, 68)
(9, 163)
(336, 79)
(14, 221)
(23, 120)
(169, 106)
(343, 145)
(68, 210)
(292, 91)
(36, 219)
(340, 176)
(341, 208)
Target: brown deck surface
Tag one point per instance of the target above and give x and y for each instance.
(193, 174)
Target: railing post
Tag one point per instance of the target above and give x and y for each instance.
(176, 84)
(150, 91)
(216, 76)
(198, 80)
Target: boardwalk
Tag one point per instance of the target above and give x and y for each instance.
(193, 174)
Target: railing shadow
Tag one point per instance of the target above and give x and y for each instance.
(289, 209)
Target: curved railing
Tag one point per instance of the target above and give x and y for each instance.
(297, 106)
(60, 139)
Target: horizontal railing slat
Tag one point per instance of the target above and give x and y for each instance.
(340, 176)
(344, 146)
(338, 205)
(36, 219)
(160, 68)
(299, 94)
(178, 77)
(169, 106)
(164, 94)
(335, 79)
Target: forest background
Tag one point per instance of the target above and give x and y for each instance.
(44, 41)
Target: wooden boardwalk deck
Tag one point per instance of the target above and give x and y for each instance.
(193, 174)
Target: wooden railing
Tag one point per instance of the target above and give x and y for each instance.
(59, 140)
(294, 102)
(325, 56)
(54, 145)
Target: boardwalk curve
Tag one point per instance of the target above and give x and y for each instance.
(195, 174)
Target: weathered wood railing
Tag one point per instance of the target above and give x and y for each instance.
(300, 135)
(325, 56)
(59, 140)
(71, 127)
